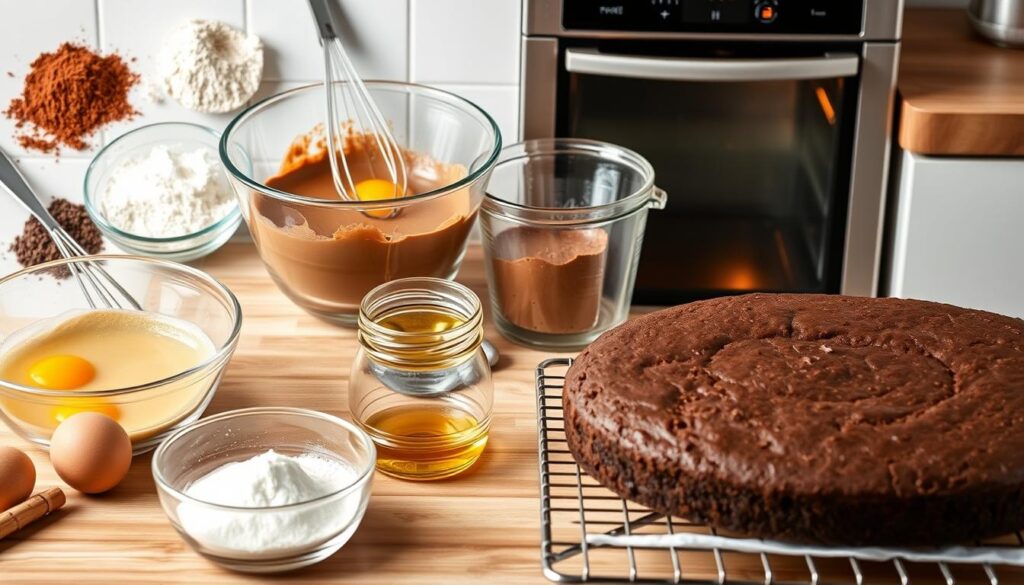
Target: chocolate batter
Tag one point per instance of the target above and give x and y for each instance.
(327, 257)
(550, 280)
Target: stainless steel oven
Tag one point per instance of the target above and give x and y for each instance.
(767, 122)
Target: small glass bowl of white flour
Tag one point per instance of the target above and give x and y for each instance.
(161, 191)
(264, 490)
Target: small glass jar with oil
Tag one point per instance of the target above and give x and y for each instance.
(421, 384)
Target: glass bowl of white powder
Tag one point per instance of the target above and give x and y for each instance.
(264, 490)
(161, 191)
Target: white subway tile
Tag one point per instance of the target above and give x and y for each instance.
(290, 47)
(375, 33)
(465, 41)
(500, 102)
(31, 28)
(164, 109)
(285, 129)
(137, 28)
(53, 178)
(271, 87)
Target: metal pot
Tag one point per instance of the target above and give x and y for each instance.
(1001, 21)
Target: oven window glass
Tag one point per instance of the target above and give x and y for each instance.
(757, 175)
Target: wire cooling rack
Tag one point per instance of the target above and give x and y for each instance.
(575, 506)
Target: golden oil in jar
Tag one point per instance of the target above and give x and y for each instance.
(421, 385)
(427, 442)
(421, 320)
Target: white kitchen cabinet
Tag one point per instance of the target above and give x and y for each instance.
(958, 232)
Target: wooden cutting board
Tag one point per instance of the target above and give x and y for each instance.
(482, 527)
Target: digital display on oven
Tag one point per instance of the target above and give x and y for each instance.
(817, 17)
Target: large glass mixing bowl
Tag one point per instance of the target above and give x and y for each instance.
(326, 253)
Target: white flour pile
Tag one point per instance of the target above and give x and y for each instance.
(270, 479)
(166, 191)
(208, 66)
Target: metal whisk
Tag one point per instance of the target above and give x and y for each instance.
(349, 104)
(89, 275)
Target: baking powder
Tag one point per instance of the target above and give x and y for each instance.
(166, 191)
(270, 479)
(208, 66)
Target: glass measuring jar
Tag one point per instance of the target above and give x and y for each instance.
(562, 223)
(420, 384)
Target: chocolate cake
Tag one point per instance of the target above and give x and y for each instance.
(811, 418)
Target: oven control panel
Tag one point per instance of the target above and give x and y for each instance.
(800, 17)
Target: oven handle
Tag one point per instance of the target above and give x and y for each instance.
(711, 69)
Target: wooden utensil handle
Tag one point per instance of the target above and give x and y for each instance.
(30, 510)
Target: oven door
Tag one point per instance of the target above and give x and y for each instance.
(755, 153)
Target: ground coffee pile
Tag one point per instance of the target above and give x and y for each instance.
(34, 245)
(68, 95)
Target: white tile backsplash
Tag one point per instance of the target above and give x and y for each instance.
(375, 35)
(55, 178)
(290, 47)
(163, 110)
(269, 88)
(464, 41)
(137, 28)
(501, 102)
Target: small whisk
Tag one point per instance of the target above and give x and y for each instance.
(350, 107)
(89, 275)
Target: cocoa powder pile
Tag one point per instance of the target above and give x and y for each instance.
(68, 95)
(34, 245)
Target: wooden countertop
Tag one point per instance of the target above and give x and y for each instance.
(481, 527)
(961, 95)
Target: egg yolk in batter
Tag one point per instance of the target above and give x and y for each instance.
(376, 190)
(61, 372)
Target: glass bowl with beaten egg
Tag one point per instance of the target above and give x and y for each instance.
(150, 354)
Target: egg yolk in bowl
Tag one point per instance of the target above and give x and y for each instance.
(103, 350)
(62, 372)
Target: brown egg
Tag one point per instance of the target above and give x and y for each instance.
(90, 452)
(17, 477)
